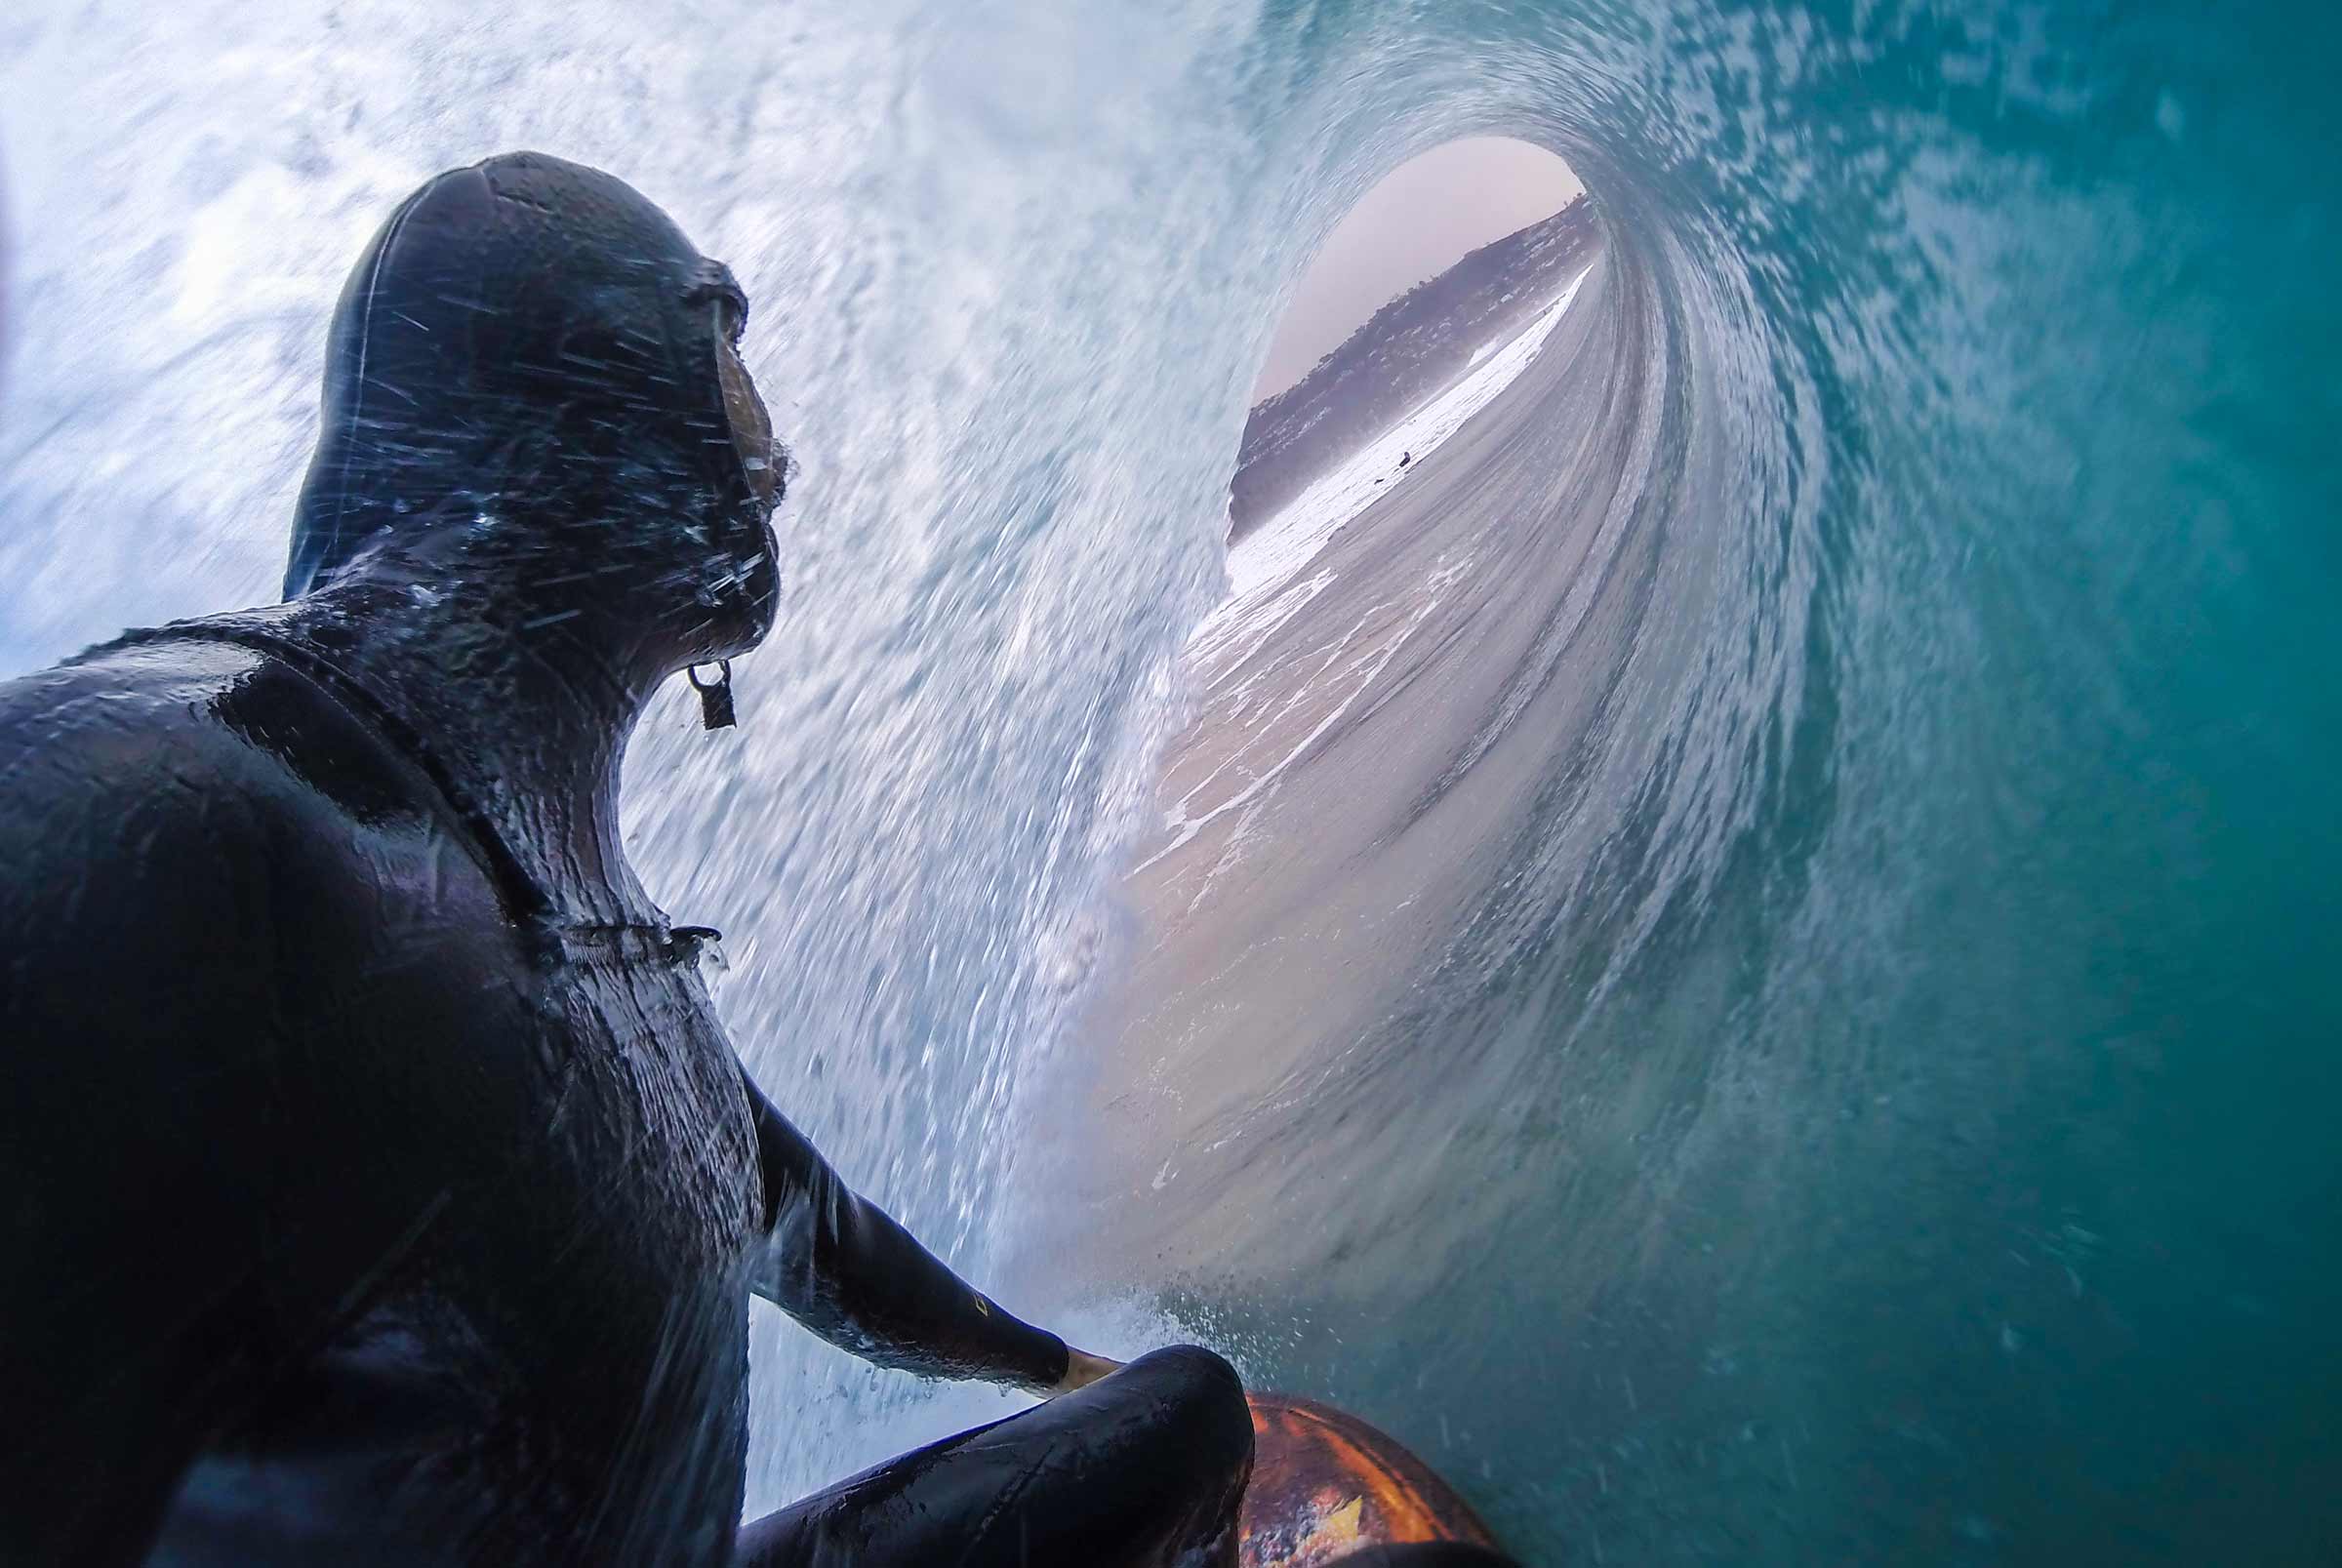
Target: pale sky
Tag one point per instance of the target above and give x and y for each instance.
(1423, 219)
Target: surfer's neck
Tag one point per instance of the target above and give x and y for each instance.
(528, 710)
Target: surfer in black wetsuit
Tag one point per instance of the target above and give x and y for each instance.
(378, 1184)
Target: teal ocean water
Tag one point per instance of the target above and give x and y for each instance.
(1869, 1095)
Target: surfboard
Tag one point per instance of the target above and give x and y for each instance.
(1326, 1484)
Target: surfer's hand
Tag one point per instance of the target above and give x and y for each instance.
(1081, 1370)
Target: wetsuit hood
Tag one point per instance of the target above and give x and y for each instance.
(525, 389)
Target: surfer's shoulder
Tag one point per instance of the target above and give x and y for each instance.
(117, 690)
(137, 909)
(202, 715)
(116, 728)
(164, 759)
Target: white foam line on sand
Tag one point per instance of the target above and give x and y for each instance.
(1273, 552)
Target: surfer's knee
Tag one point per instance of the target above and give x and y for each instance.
(1205, 1374)
(1201, 1395)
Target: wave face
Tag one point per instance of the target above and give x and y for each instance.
(1870, 1095)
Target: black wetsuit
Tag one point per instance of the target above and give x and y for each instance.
(379, 1185)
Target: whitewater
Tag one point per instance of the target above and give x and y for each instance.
(1789, 1014)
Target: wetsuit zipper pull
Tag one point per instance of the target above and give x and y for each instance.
(715, 695)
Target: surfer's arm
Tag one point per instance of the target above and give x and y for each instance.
(843, 1267)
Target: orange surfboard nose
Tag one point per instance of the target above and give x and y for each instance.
(1325, 1483)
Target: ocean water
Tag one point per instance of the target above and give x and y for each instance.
(1822, 1041)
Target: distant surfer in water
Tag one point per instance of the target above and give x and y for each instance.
(379, 1185)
